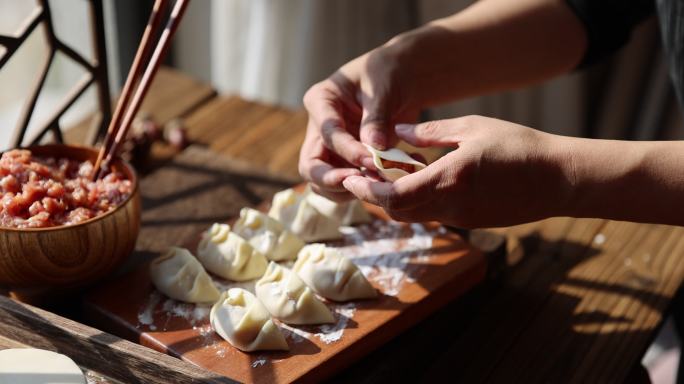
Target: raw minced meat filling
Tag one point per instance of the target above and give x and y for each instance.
(44, 192)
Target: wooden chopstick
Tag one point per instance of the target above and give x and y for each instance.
(134, 73)
(159, 52)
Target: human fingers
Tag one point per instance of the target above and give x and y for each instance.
(398, 205)
(324, 107)
(390, 196)
(375, 123)
(437, 133)
(339, 197)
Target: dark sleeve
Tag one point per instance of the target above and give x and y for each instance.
(608, 24)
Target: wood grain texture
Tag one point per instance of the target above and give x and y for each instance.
(94, 349)
(583, 306)
(265, 135)
(252, 132)
(450, 274)
(172, 94)
(69, 256)
(196, 189)
(569, 297)
(569, 311)
(453, 268)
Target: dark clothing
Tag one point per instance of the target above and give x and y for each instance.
(671, 16)
(609, 24)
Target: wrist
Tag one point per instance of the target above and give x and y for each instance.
(602, 176)
(558, 187)
(422, 59)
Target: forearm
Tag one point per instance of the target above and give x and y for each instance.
(625, 180)
(493, 45)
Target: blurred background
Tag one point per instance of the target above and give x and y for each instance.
(271, 51)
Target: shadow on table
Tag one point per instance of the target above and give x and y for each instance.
(97, 351)
(195, 190)
(498, 333)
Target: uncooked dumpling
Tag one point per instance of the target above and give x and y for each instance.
(230, 256)
(241, 319)
(299, 216)
(288, 299)
(267, 235)
(347, 213)
(179, 275)
(38, 366)
(394, 163)
(332, 275)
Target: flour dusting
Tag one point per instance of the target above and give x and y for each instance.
(327, 333)
(330, 333)
(599, 239)
(146, 314)
(259, 362)
(389, 254)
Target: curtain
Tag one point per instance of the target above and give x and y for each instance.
(273, 50)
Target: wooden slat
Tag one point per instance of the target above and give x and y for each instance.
(581, 308)
(171, 95)
(568, 310)
(574, 309)
(264, 135)
(195, 190)
(249, 131)
(96, 350)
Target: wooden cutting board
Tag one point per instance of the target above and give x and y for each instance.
(417, 268)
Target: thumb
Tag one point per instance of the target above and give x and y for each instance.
(438, 133)
(375, 127)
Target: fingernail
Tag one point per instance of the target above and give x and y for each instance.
(403, 128)
(368, 163)
(347, 183)
(377, 140)
(353, 172)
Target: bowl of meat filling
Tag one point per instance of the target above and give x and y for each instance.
(58, 227)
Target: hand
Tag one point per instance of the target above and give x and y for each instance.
(498, 174)
(359, 103)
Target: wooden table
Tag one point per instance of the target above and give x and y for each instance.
(582, 305)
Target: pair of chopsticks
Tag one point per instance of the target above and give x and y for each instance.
(125, 111)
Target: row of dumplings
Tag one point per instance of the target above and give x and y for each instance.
(249, 251)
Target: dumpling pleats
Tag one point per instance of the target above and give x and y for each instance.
(267, 235)
(179, 275)
(288, 299)
(230, 256)
(298, 215)
(241, 319)
(332, 275)
(347, 213)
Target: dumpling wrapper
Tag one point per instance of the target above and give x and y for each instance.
(230, 256)
(332, 275)
(267, 235)
(347, 213)
(241, 319)
(38, 366)
(396, 155)
(179, 275)
(288, 299)
(298, 215)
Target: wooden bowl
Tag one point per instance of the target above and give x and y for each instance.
(75, 255)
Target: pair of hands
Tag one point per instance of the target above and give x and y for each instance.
(498, 173)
